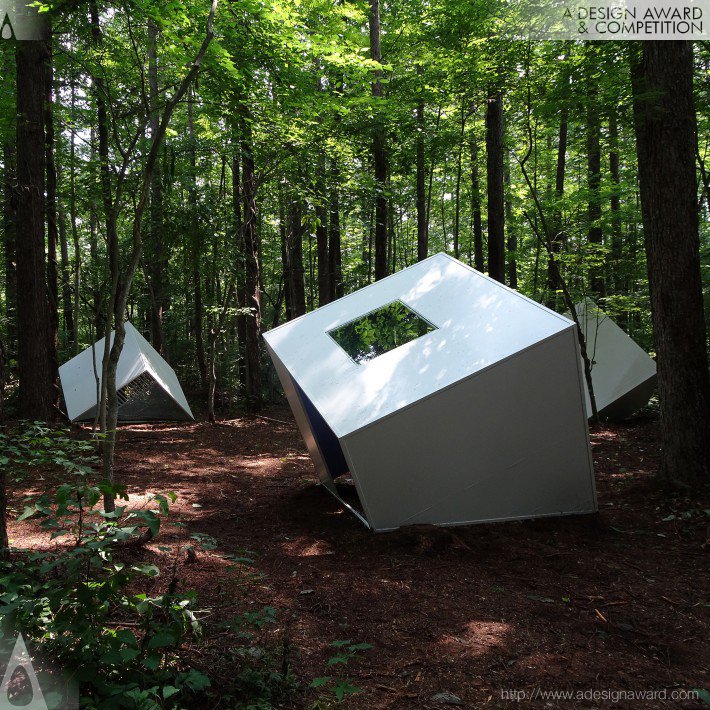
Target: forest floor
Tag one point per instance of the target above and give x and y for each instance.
(616, 601)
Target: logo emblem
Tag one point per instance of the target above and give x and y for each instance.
(20, 658)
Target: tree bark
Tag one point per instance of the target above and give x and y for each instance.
(52, 224)
(241, 280)
(335, 257)
(496, 208)
(478, 260)
(512, 243)
(322, 235)
(294, 255)
(615, 201)
(557, 237)
(9, 214)
(157, 258)
(666, 139)
(594, 206)
(34, 346)
(196, 241)
(457, 191)
(379, 152)
(422, 226)
(252, 250)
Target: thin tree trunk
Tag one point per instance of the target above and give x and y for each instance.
(335, 257)
(252, 249)
(557, 237)
(52, 226)
(594, 206)
(379, 152)
(666, 139)
(457, 208)
(198, 311)
(294, 255)
(285, 259)
(422, 226)
(9, 214)
(157, 259)
(478, 260)
(495, 156)
(241, 279)
(615, 201)
(34, 346)
(322, 235)
(76, 278)
(512, 243)
(67, 305)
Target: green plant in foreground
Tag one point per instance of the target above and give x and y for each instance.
(338, 686)
(120, 646)
(80, 605)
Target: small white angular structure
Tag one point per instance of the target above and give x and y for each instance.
(623, 375)
(148, 389)
(479, 417)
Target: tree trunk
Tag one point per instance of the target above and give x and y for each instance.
(615, 201)
(422, 226)
(557, 237)
(76, 280)
(294, 255)
(67, 305)
(512, 244)
(594, 206)
(478, 260)
(252, 249)
(241, 282)
(457, 191)
(666, 139)
(52, 226)
(157, 258)
(198, 311)
(9, 214)
(379, 152)
(335, 257)
(322, 235)
(495, 156)
(34, 346)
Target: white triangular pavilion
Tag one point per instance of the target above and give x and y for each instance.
(148, 389)
(480, 418)
(623, 374)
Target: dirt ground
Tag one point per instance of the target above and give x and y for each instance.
(616, 601)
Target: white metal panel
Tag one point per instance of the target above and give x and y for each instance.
(509, 442)
(619, 365)
(304, 427)
(479, 322)
(161, 371)
(78, 377)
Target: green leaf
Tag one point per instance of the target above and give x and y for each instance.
(169, 691)
(162, 639)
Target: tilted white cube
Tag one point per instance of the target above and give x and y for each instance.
(148, 389)
(481, 418)
(623, 375)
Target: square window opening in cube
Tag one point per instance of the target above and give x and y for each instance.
(380, 331)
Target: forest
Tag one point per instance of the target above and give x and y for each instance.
(209, 171)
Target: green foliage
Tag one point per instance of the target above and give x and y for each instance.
(339, 687)
(79, 602)
(35, 444)
(380, 331)
(80, 606)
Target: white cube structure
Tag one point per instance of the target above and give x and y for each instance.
(479, 417)
(623, 375)
(148, 389)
